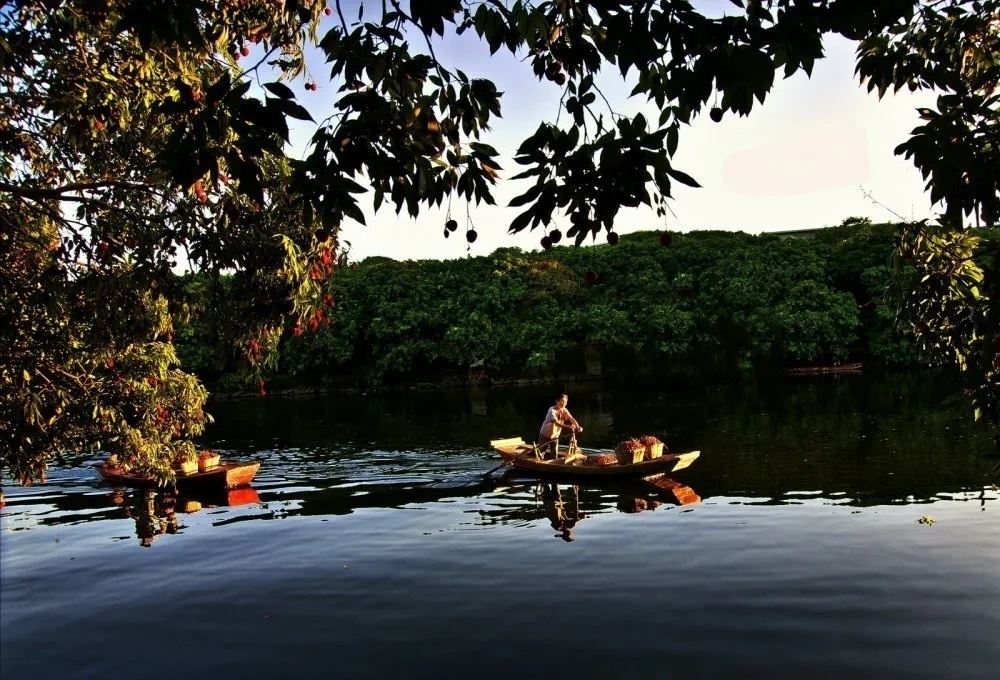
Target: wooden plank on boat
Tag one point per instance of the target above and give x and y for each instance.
(512, 441)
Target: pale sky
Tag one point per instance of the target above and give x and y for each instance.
(806, 158)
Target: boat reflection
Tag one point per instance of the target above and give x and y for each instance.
(155, 511)
(562, 503)
(680, 494)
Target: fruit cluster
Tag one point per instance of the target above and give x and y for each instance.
(554, 72)
(452, 225)
(649, 440)
(630, 445)
(551, 239)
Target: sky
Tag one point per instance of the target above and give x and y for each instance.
(819, 150)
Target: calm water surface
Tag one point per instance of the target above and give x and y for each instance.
(832, 526)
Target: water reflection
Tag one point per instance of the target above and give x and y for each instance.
(563, 512)
(155, 511)
(512, 499)
(521, 501)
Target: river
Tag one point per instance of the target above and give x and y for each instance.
(836, 525)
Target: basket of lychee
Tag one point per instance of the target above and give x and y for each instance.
(653, 447)
(630, 451)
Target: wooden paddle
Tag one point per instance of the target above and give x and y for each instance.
(533, 449)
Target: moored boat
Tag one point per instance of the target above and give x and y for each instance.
(822, 370)
(229, 474)
(519, 454)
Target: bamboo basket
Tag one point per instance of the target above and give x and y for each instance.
(208, 460)
(654, 450)
(630, 452)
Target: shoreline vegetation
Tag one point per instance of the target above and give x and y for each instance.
(712, 302)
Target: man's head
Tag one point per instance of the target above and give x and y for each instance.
(562, 400)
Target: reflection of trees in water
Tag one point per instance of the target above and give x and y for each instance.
(404, 420)
(154, 512)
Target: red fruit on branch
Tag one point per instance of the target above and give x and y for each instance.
(471, 236)
(590, 277)
(666, 239)
(613, 238)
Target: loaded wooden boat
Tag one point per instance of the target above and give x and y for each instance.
(229, 474)
(822, 370)
(517, 453)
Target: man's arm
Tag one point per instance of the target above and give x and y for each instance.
(570, 420)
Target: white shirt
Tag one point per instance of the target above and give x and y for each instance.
(550, 426)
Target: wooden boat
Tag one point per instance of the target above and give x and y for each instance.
(523, 456)
(822, 370)
(226, 475)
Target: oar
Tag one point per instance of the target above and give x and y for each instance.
(511, 460)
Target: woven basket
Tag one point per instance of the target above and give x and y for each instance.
(187, 467)
(654, 450)
(629, 456)
(207, 460)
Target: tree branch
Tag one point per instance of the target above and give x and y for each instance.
(58, 192)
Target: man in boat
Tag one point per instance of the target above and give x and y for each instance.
(556, 418)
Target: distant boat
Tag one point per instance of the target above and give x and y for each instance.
(225, 475)
(517, 453)
(821, 370)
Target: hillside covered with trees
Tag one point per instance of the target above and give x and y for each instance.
(709, 301)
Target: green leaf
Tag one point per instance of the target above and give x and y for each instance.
(295, 110)
(683, 177)
(280, 89)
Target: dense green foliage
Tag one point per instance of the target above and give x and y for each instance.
(719, 300)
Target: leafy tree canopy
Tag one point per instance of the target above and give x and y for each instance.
(140, 135)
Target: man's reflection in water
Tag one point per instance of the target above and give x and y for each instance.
(154, 513)
(563, 512)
